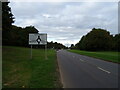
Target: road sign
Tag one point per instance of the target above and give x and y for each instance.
(38, 39)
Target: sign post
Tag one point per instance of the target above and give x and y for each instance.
(46, 51)
(38, 39)
(31, 52)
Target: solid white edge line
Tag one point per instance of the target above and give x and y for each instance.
(103, 70)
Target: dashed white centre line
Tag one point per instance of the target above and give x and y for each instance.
(103, 70)
(98, 67)
(82, 60)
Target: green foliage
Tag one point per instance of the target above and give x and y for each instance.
(19, 36)
(7, 20)
(81, 44)
(55, 45)
(7, 16)
(19, 71)
(117, 42)
(96, 40)
(13, 35)
(72, 46)
(108, 56)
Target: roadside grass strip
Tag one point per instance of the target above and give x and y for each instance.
(19, 71)
(107, 55)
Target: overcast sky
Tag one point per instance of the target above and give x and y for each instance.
(66, 22)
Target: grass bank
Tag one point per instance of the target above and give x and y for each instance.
(106, 55)
(19, 71)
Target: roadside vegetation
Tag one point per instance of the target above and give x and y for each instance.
(18, 36)
(98, 40)
(99, 43)
(104, 55)
(19, 71)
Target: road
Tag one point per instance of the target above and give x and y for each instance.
(79, 71)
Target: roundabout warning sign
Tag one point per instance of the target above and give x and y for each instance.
(38, 39)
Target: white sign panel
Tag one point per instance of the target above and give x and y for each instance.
(37, 39)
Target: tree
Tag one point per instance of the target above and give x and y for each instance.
(7, 20)
(72, 46)
(19, 36)
(55, 45)
(81, 44)
(97, 39)
(27, 30)
(117, 42)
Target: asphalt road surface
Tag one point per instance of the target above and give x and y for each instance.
(78, 71)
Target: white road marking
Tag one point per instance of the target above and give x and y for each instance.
(103, 70)
(82, 60)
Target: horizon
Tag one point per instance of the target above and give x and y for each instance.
(66, 22)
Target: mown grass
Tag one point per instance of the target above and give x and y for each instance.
(106, 55)
(19, 71)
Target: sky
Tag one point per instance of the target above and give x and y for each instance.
(66, 22)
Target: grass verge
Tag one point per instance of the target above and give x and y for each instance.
(19, 71)
(107, 55)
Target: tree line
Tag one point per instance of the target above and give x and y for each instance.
(95, 40)
(98, 40)
(18, 36)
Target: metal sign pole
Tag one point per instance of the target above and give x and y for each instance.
(38, 39)
(46, 51)
(31, 51)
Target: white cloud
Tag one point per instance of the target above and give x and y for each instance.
(46, 15)
(66, 22)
